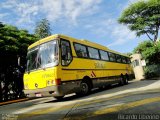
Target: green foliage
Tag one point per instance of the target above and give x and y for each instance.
(143, 46)
(43, 29)
(13, 42)
(143, 17)
(149, 51)
(152, 71)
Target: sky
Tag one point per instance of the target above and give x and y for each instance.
(93, 20)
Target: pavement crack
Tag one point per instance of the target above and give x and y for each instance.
(66, 115)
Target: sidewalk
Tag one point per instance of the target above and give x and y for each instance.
(155, 78)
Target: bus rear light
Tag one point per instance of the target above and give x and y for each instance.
(58, 81)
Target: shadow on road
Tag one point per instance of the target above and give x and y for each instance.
(93, 92)
(109, 90)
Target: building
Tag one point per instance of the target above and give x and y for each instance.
(138, 66)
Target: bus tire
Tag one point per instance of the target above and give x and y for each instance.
(121, 83)
(126, 78)
(84, 88)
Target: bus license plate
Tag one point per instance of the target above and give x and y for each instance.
(38, 95)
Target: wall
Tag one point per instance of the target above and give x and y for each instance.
(138, 69)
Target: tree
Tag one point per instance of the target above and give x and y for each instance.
(143, 17)
(149, 51)
(43, 29)
(13, 43)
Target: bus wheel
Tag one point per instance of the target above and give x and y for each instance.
(85, 89)
(59, 97)
(121, 83)
(126, 80)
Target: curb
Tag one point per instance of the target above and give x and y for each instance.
(13, 101)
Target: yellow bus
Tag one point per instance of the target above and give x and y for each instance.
(59, 65)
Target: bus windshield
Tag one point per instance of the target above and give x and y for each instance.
(42, 56)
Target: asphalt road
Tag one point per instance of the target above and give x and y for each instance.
(137, 100)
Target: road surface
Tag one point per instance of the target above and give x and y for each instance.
(137, 100)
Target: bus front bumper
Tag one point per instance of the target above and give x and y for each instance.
(44, 92)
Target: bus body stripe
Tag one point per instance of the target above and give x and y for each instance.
(94, 74)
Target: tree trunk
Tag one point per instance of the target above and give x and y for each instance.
(149, 36)
(156, 34)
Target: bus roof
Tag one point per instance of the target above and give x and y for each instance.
(81, 41)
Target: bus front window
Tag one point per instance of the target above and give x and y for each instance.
(42, 56)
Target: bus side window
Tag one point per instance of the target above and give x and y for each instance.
(66, 53)
(104, 55)
(118, 58)
(81, 50)
(128, 60)
(93, 53)
(112, 57)
(124, 60)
